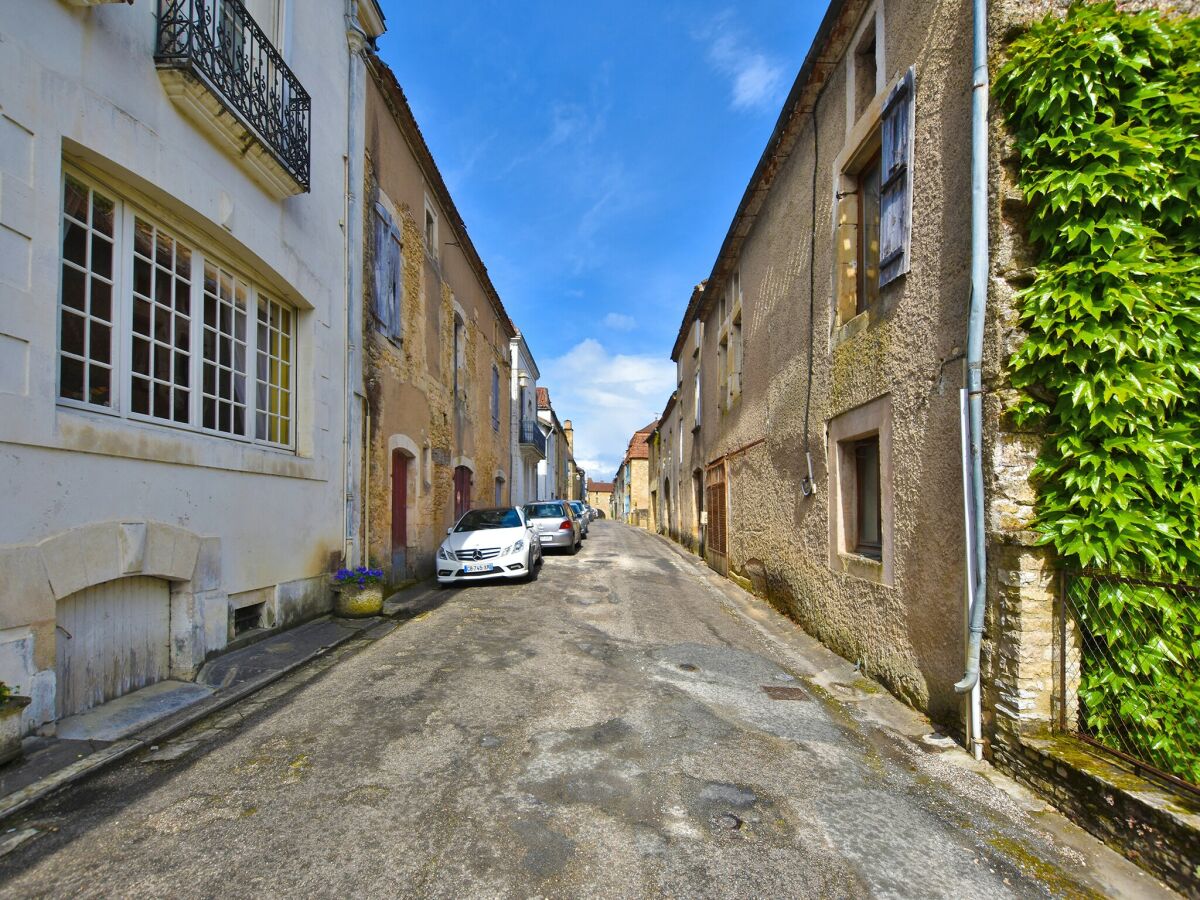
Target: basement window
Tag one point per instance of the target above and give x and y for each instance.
(868, 519)
(248, 618)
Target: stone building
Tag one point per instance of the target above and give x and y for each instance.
(631, 487)
(438, 350)
(554, 472)
(600, 496)
(173, 333)
(821, 374)
(528, 442)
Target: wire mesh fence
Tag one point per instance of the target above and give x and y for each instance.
(1129, 670)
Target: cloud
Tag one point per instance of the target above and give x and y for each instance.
(756, 79)
(607, 396)
(619, 322)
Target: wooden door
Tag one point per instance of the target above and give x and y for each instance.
(462, 491)
(112, 638)
(716, 509)
(399, 515)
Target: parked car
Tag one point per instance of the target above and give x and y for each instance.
(489, 543)
(580, 511)
(556, 524)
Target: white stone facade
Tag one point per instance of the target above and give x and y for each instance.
(105, 487)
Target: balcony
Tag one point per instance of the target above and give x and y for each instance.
(216, 63)
(533, 441)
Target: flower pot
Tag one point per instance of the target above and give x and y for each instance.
(354, 602)
(10, 728)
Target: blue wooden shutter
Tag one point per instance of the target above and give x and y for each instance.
(895, 225)
(387, 293)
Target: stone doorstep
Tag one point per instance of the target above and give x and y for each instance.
(1147, 822)
(182, 710)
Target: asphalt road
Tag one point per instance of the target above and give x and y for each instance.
(603, 731)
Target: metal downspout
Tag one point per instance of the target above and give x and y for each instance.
(975, 329)
(356, 39)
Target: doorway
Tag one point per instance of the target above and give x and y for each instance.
(399, 515)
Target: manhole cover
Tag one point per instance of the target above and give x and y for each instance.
(781, 692)
(688, 667)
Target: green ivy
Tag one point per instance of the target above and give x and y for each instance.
(1105, 109)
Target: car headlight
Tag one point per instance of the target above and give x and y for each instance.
(443, 553)
(515, 548)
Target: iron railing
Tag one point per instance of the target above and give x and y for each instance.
(531, 433)
(219, 42)
(1128, 679)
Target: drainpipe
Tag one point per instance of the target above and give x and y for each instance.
(976, 537)
(355, 150)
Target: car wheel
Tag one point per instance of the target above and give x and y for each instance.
(573, 549)
(530, 570)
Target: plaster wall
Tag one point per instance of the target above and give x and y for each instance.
(410, 384)
(79, 86)
(907, 629)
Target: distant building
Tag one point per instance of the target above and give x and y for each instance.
(632, 484)
(528, 438)
(600, 496)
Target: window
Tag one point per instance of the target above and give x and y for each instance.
(874, 212)
(861, 493)
(696, 424)
(866, 67)
(867, 251)
(499, 491)
(189, 326)
(460, 357)
(868, 537)
(387, 301)
(86, 298)
(431, 229)
(495, 399)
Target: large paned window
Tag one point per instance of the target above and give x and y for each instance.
(154, 326)
(85, 346)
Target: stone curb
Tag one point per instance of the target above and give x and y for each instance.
(157, 732)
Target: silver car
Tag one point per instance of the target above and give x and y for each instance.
(556, 524)
(489, 543)
(581, 514)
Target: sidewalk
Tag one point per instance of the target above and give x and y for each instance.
(89, 742)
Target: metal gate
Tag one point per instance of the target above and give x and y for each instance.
(113, 638)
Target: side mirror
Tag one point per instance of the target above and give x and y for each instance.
(450, 531)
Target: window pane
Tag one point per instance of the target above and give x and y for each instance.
(140, 396)
(868, 235)
(85, 334)
(870, 537)
(71, 379)
(273, 393)
(224, 349)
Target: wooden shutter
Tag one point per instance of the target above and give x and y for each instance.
(895, 227)
(386, 305)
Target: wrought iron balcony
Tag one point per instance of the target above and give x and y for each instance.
(531, 436)
(247, 94)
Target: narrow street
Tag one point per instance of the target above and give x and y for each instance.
(627, 725)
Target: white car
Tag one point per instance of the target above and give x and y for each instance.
(489, 543)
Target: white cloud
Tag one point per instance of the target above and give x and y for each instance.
(619, 322)
(756, 79)
(607, 397)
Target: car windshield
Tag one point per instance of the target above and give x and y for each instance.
(482, 519)
(577, 506)
(545, 511)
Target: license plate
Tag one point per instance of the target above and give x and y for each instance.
(477, 567)
(546, 537)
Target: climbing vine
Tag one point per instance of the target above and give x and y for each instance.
(1105, 109)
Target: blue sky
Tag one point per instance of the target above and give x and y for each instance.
(597, 153)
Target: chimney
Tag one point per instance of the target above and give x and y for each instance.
(570, 433)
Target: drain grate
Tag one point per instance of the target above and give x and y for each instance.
(780, 692)
(688, 667)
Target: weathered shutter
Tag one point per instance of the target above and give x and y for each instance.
(895, 227)
(387, 294)
(396, 265)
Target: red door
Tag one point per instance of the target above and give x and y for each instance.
(462, 491)
(399, 516)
